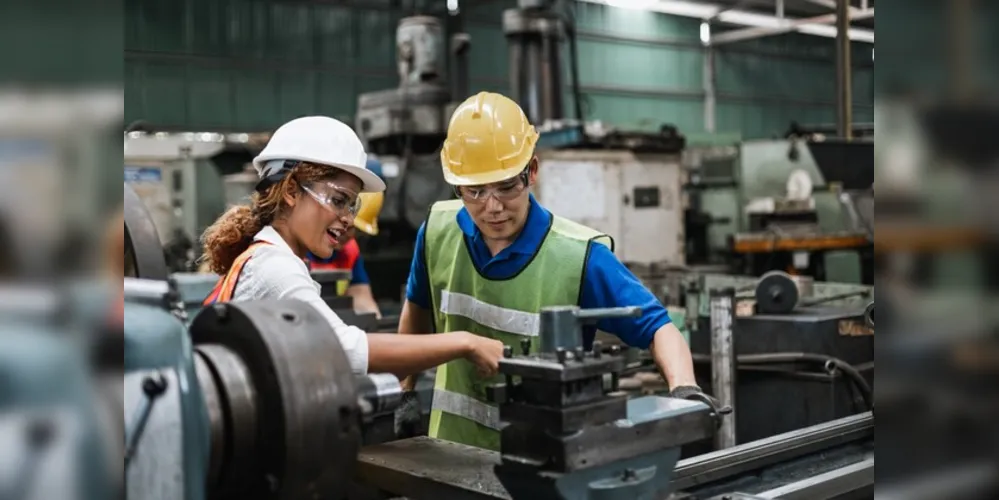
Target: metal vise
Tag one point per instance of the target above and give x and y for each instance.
(568, 433)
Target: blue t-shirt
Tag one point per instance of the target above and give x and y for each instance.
(606, 282)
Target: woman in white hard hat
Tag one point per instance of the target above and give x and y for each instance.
(311, 173)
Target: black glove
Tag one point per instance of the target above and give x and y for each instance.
(694, 393)
(408, 417)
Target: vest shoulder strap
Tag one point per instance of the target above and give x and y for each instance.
(226, 286)
(575, 230)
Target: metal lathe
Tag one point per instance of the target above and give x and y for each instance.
(256, 400)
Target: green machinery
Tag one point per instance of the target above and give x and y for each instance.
(57, 442)
(729, 176)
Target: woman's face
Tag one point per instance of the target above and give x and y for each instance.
(321, 213)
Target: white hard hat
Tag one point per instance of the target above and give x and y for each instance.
(321, 140)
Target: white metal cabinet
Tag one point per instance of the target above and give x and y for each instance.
(636, 199)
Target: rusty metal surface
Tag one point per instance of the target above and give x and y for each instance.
(426, 468)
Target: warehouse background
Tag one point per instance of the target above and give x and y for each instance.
(249, 65)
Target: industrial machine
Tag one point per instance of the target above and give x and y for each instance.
(808, 208)
(404, 128)
(798, 352)
(179, 177)
(253, 400)
(566, 432)
(60, 425)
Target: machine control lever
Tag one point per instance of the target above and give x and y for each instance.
(561, 327)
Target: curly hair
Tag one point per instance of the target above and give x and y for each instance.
(232, 233)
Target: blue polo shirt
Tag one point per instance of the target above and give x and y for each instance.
(606, 282)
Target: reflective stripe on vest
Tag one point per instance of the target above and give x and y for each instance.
(495, 317)
(467, 407)
(505, 310)
(226, 286)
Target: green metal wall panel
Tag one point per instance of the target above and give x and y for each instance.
(252, 64)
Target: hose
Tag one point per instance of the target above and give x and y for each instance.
(829, 363)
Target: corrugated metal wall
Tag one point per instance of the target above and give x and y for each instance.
(252, 64)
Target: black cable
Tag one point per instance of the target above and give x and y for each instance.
(828, 362)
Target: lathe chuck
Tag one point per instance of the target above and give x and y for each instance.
(282, 401)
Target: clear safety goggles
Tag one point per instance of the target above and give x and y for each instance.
(502, 191)
(340, 200)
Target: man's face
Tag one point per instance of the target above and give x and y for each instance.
(500, 209)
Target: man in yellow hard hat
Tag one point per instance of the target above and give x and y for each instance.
(348, 256)
(490, 260)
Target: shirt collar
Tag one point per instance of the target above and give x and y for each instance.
(529, 239)
(270, 235)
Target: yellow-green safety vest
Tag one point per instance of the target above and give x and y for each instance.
(505, 310)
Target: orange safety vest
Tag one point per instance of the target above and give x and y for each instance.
(226, 286)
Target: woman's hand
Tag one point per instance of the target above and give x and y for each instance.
(485, 353)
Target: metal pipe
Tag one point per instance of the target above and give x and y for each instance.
(844, 80)
(961, 54)
(710, 98)
(460, 45)
(577, 98)
(723, 369)
(713, 466)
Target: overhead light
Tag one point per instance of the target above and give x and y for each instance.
(452, 6)
(705, 33)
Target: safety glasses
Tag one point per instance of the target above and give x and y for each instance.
(502, 191)
(340, 200)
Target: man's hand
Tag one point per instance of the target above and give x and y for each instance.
(485, 353)
(694, 393)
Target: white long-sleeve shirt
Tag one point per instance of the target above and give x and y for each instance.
(275, 272)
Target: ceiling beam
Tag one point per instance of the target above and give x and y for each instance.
(817, 25)
(831, 5)
(767, 24)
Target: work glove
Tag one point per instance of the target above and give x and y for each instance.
(694, 393)
(408, 417)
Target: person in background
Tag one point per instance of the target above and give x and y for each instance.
(311, 173)
(348, 255)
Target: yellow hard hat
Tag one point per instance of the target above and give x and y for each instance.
(488, 140)
(367, 217)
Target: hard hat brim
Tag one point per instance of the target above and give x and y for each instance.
(370, 229)
(370, 183)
